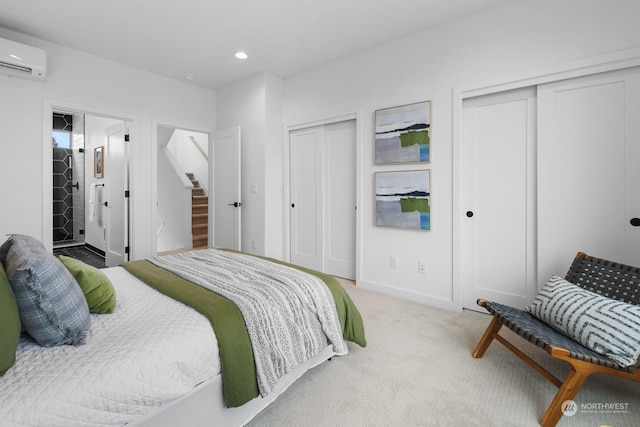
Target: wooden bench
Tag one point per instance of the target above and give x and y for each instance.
(610, 279)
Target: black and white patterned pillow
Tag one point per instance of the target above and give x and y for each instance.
(51, 304)
(604, 325)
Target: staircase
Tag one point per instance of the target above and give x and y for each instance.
(199, 214)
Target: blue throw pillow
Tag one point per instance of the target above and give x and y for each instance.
(52, 307)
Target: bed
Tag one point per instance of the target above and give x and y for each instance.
(166, 354)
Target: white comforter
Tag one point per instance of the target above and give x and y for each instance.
(151, 350)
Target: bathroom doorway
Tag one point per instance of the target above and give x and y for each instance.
(90, 187)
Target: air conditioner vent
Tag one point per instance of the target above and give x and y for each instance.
(15, 68)
(20, 60)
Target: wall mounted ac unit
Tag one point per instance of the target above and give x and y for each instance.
(20, 60)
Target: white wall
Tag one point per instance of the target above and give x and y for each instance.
(192, 158)
(79, 81)
(255, 105)
(511, 39)
(174, 204)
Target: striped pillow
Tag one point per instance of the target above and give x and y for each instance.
(606, 326)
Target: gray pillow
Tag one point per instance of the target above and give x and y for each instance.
(52, 307)
(604, 325)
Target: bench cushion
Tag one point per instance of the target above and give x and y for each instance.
(604, 325)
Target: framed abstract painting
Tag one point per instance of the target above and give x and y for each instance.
(403, 199)
(403, 134)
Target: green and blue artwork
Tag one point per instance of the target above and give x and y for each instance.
(403, 199)
(403, 134)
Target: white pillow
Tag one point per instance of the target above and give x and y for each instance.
(604, 325)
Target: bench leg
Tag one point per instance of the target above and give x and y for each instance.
(567, 391)
(487, 338)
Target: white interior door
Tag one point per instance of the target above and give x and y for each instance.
(323, 198)
(116, 183)
(589, 146)
(225, 201)
(498, 198)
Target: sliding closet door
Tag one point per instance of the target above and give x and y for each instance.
(498, 198)
(589, 179)
(323, 198)
(340, 199)
(307, 220)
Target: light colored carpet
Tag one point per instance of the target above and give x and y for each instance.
(417, 370)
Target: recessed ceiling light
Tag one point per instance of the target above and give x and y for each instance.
(189, 77)
(241, 55)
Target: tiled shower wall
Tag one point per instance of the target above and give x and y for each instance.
(68, 172)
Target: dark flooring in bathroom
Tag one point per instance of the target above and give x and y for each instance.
(83, 254)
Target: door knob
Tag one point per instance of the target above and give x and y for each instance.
(235, 204)
(635, 222)
(469, 214)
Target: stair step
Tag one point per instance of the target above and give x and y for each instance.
(200, 209)
(200, 241)
(199, 228)
(199, 218)
(200, 200)
(199, 214)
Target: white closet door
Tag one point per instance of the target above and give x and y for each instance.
(323, 198)
(497, 199)
(340, 199)
(589, 180)
(307, 220)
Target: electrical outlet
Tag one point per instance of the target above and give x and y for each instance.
(254, 244)
(393, 262)
(422, 266)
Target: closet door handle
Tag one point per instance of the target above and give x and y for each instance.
(469, 214)
(635, 222)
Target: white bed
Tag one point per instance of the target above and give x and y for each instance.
(153, 362)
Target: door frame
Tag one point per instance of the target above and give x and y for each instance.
(155, 123)
(49, 106)
(286, 181)
(584, 67)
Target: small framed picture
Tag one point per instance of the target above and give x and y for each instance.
(403, 199)
(403, 134)
(98, 162)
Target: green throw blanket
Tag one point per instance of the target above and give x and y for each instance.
(236, 354)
